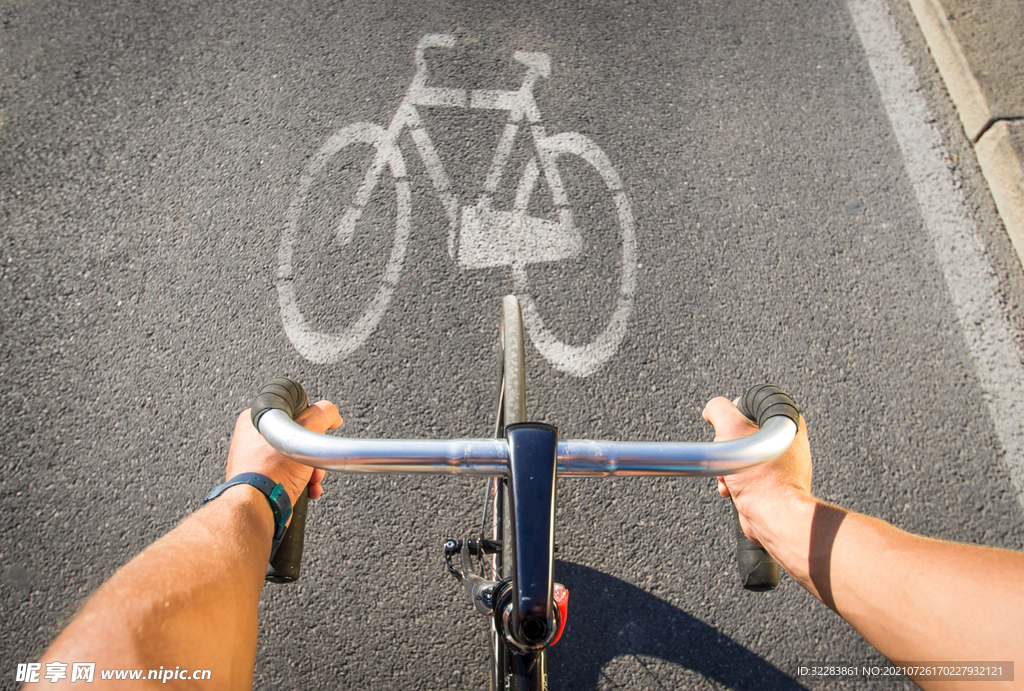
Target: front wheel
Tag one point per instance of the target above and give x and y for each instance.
(511, 409)
(510, 669)
(601, 275)
(343, 244)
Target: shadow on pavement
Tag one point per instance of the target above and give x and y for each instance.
(609, 618)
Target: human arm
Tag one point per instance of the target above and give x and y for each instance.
(913, 598)
(190, 599)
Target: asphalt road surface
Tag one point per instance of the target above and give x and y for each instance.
(741, 200)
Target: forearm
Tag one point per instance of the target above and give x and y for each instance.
(913, 598)
(188, 600)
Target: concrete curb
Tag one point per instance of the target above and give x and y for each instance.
(963, 87)
(998, 136)
(1000, 157)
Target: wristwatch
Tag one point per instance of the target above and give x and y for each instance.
(280, 502)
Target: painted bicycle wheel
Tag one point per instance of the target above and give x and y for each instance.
(558, 298)
(344, 243)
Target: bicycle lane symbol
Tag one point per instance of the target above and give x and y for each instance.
(479, 236)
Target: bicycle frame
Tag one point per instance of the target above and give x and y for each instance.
(525, 616)
(530, 460)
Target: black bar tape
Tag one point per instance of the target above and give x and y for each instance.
(758, 571)
(284, 568)
(766, 401)
(279, 394)
(287, 395)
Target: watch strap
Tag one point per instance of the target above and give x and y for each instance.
(280, 502)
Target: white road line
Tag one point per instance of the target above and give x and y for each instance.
(972, 283)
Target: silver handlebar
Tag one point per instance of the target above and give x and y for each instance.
(489, 457)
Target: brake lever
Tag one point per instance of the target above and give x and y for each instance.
(479, 589)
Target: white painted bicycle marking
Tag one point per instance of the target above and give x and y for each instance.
(479, 236)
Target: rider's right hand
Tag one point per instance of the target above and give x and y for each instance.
(788, 473)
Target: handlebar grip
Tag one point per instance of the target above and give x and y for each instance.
(766, 401)
(758, 571)
(287, 395)
(279, 394)
(284, 567)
